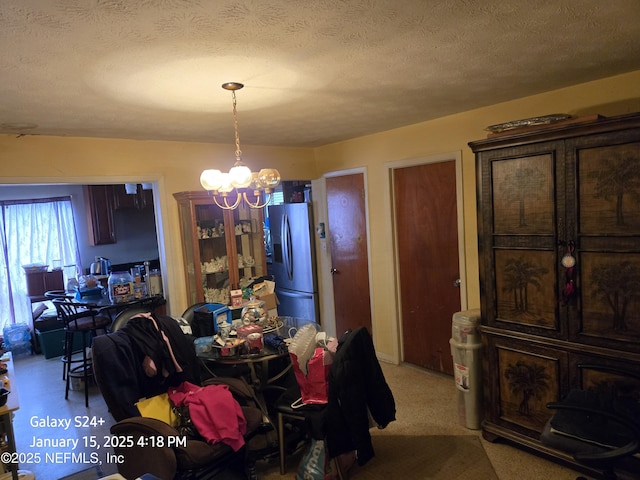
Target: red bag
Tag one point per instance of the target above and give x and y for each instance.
(313, 385)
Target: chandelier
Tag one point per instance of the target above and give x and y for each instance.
(240, 183)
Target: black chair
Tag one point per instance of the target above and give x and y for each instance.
(83, 321)
(123, 317)
(51, 294)
(296, 425)
(189, 312)
(599, 427)
(175, 454)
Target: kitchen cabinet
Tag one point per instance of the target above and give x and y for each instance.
(99, 206)
(559, 264)
(141, 199)
(222, 249)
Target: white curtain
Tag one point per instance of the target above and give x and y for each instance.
(32, 231)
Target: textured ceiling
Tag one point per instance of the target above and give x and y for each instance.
(316, 71)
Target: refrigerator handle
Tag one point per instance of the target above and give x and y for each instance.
(287, 256)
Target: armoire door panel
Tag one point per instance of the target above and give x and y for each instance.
(606, 381)
(611, 299)
(527, 377)
(526, 288)
(609, 190)
(523, 195)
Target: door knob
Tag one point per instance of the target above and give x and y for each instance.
(334, 271)
(457, 283)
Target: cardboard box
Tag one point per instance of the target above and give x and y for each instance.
(270, 301)
(236, 298)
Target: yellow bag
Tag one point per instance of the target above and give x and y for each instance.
(158, 407)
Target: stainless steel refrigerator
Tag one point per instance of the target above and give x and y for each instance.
(293, 260)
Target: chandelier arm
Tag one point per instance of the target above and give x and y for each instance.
(225, 205)
(257, 204)
(235, 205)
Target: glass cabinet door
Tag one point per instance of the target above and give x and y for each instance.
(223, 249)
(214, 257)
(249, 244)
(189, 246)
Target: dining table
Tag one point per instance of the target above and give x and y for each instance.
(104, 304)
(257, 363)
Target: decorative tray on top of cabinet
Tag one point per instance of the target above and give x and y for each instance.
(559, 264)
(222, 249)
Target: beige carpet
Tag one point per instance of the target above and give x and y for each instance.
(438, 457)
(413, 457)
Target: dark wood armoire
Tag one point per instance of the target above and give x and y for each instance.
(559, 264)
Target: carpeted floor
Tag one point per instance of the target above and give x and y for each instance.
(414, 457)
(426, 434)
(437, 457)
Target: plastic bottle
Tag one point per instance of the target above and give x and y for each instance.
(120, 287)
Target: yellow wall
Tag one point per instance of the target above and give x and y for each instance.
(612, 96)
(176, 166)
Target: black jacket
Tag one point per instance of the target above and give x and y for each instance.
(118, 357)
(356, 386)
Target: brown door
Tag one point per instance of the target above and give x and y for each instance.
(427, 236)
(349, 253)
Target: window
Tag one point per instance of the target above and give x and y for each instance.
(32, 231)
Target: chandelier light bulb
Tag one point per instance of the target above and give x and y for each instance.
(211, 179)
(226, 183)
(269, 178)
(240, 175)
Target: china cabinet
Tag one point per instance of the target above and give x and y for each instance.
(559, 264)
(223, 250)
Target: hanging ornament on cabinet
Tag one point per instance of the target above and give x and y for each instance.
(569, 261)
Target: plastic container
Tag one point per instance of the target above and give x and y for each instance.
(203, 344)
(121, 287)
(466, 350)
(154, 283)
(464, 326)
(255, 342)
(17, 339)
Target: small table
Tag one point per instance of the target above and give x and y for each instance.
(6, 411)
(260, 375)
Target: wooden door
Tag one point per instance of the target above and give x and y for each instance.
(349, 251)
(427, 242)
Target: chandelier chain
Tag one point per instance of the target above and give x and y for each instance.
(235, 125)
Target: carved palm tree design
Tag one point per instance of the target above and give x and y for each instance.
(618, 285)
(619, 176)
(518, 275)
(524, 183)
(528, 380)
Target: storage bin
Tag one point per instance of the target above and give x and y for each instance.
(47, 322)
(207, 317)
(52, 342)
